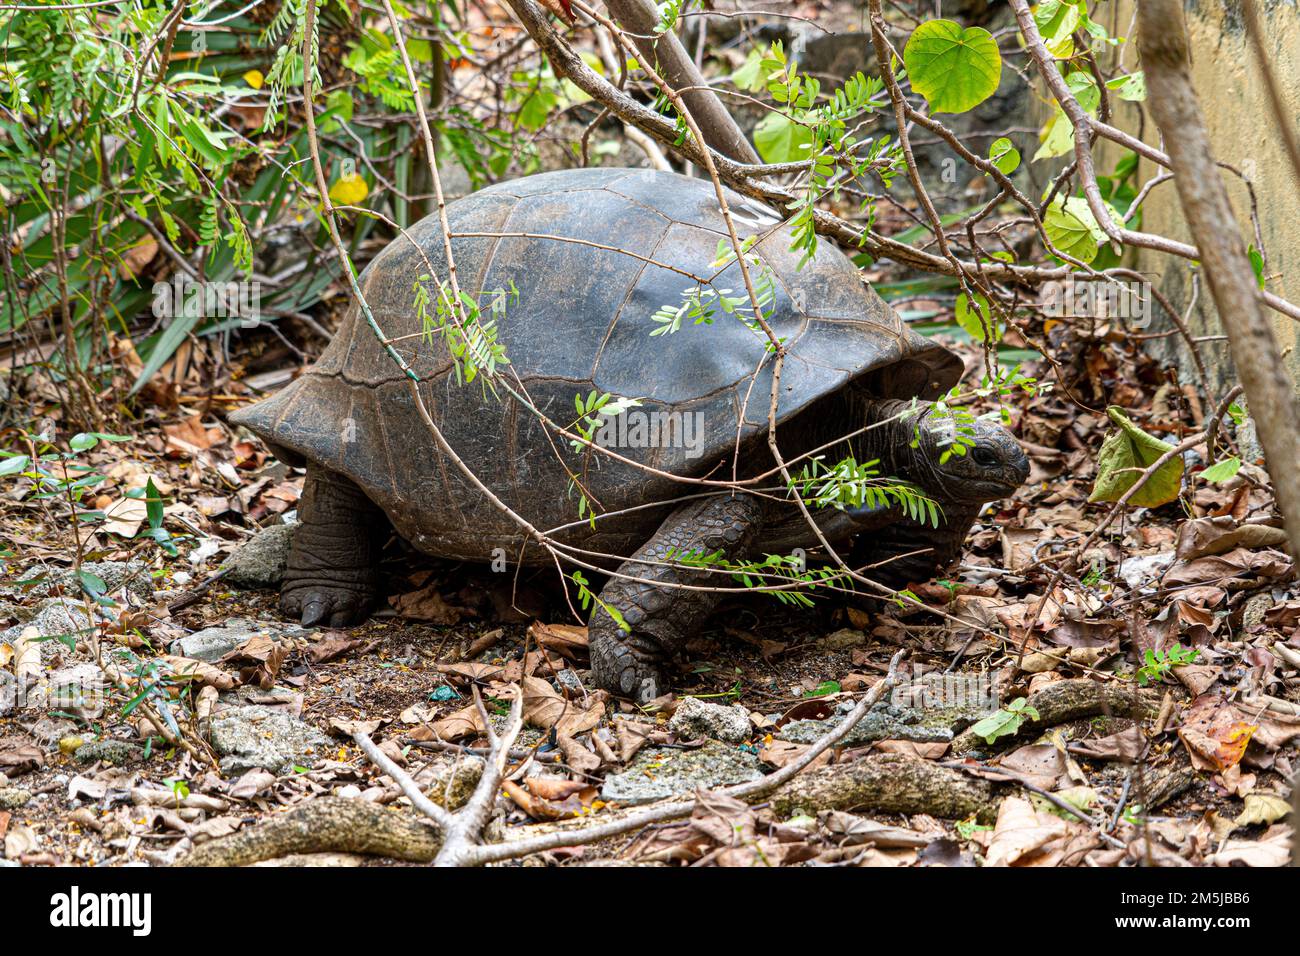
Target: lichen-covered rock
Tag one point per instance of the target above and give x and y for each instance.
(58, 620)
(843, 639)
(11, 798)
(8, 693)
(659, 772)
(213, 643)
(78, 690)
(133, 576)
(450, 783)
(257, 736)
(929, 708)
(116, 752)
(695, 718)
(261, 561)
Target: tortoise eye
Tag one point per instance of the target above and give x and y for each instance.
(983, 456)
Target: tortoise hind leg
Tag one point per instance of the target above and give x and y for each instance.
(333, 575)
(662, 617)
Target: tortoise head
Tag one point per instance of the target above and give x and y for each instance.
(993, 467)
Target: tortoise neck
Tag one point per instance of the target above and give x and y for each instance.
(888, 438)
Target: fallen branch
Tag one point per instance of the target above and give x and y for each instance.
(1066, 700)
(889, 783)
(325, 824)
(460, 846)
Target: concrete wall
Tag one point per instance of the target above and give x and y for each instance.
(1243, 134)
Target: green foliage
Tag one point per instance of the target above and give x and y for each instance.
(1006, 722)
(590, 410)
(954, 68)
(588, 597)
(702, 303)
(470, 335)
(1157, 665)
(772, 575)
(1004, 155)
(822, 131)
(1125, 455)
(976, 317)
(850, 485)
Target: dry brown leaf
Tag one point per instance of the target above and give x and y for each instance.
(1021, 832)
(200, 672)
(463, 723)
(565, 639)
(331, 648)
(1208, 536)
(426, 604)
(1241, 564)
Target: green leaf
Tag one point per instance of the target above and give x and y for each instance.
(1256, 264)
(1067, 229)
(14, 465)
(1132, 87)
(780, 139)
(1125, 454)
(977, 318)
(153, 505)
(1222, 470)
(824, 688)
(83, 441)
(955, 69)
(1004, 155)
(1005, 722)
(1056, 138)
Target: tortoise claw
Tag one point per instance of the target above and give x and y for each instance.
(322, 605)
(313, 612)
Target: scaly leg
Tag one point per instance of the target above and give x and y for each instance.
(333, 574)
(662, 618)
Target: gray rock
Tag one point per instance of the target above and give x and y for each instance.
(695, 718)
(570, 680)
(11, 798)
(659, 772)
(450, 783)
(78, 690)
(117, 752)
(134, 576)
(56, 618)
(261, 561)
(213, 643)
(8, 693)
(933, 708)
(256, 736)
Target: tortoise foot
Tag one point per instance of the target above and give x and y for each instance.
(334, 605)
(647, 593)
(627, 665)
(333, 576)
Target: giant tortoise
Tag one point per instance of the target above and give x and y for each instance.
(581, 322)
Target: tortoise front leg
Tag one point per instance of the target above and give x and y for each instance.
(333, 574)
(662, 617)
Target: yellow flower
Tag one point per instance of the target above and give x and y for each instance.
(349, 190)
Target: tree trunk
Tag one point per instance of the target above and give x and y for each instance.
(1162, 44)
(670, 59)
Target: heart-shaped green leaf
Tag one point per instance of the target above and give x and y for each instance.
(955, 69)
(1004, 156)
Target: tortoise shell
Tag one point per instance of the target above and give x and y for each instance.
(581, 321)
